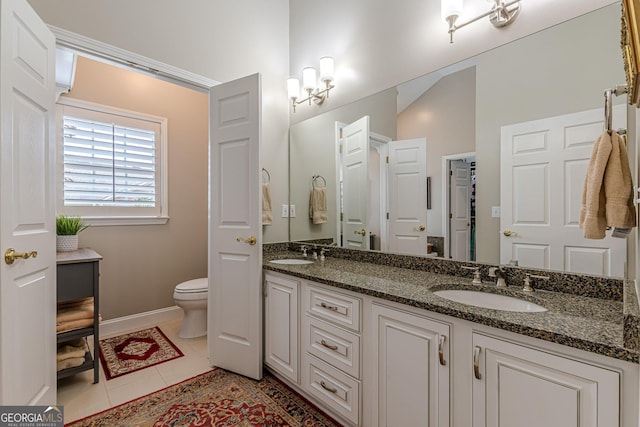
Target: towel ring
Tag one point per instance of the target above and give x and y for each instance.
(268, 176)
(315, 179)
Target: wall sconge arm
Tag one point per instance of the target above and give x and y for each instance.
(500, 15)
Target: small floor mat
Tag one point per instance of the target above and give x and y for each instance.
(137, 350)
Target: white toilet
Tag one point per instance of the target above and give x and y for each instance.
(191, 297)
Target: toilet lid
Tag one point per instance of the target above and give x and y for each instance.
(195, 285)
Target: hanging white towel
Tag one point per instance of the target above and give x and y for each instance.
(607, 196)
(267, 215)
(318, 205)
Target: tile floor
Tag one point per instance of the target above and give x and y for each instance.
(80, 397)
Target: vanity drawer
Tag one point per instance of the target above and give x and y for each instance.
(337, 347)
(335, 389)
(343, 310)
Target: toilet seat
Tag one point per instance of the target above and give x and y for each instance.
(192, 289)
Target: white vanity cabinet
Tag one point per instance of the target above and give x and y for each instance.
(519, 386)
(281, 350)
(410, 369)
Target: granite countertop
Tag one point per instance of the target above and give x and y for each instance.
(597, 325)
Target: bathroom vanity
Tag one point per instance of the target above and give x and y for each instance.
(78, 274)
(373, 346)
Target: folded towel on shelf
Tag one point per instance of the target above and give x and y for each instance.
(267, 215)
(607, 196)
(75, 303)
(69, 363)
(74, 324)
(318, 205)
(72, 350)
(74, 313)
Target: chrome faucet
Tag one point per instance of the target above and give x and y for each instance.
(304, 250)
(477, 277)
(527, 281)
(498, 272)
(322, 252)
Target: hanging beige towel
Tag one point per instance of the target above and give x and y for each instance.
(618, 187)
(607, 196)
(318, 205)
(267, 215)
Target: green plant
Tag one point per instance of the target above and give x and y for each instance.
(69, 225)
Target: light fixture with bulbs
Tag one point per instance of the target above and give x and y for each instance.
(500, 15)
(310, 84)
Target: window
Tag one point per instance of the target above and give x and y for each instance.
(111, 164)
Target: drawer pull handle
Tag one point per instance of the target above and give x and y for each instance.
(476, 362)
(441, 350)
(329, 307)
(329, 389)
(329, 346)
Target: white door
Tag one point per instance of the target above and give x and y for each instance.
(235, 247)
(27, 197)
(544, 163)
(355, 184)
(460, 210)
(522, 387)
(407, 196)
(410, 370)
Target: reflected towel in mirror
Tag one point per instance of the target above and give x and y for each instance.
(318, 205)
(267, 215)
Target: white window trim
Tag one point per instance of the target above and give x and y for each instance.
(111, 220)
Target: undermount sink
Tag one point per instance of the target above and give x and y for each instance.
(291, 261)
(489, 300)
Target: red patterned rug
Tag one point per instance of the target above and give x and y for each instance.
(217, 399)
(136, 350)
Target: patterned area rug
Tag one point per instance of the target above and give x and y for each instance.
(218, 399)
(136, 350)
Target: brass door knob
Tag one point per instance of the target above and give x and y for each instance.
(361, 232)
(11, 255)
(507, 232)
(251, 240)
(421, 228)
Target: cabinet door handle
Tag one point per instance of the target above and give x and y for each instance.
(329, 346)
(476, 362)
(441, 350)
(329, 307)
(326, 387)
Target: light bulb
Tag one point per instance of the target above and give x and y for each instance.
(326, 69)
(293, 88)
(309, 79)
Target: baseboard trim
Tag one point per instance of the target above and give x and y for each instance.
(139, 320)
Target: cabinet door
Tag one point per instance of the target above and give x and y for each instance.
(410, 369)
(523, 387)
(281, 325)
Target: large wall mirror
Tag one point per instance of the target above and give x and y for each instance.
(482, 161)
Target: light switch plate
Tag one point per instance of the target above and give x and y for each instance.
(285, 211)
(495, 211)
(292, 211)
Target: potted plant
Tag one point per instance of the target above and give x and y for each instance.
(67, 229)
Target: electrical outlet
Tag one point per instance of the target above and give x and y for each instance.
(285, 211)
(292, 211)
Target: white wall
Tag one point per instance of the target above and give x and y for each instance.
(221, 40)
(381, 43)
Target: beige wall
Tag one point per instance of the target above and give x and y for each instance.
(143, 264)
(445, 115)
(218, 39)
(542, 83)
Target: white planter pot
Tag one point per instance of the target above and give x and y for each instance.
(66, 243)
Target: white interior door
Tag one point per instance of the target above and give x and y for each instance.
(235, 247)
(460, 210)
(407, 196)
(355, 184)
(27, 197)
(544, 163)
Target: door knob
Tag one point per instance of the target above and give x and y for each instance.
(361, 232)
(507, 232)
(251, 240)
(11, 255)
(421, 228)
